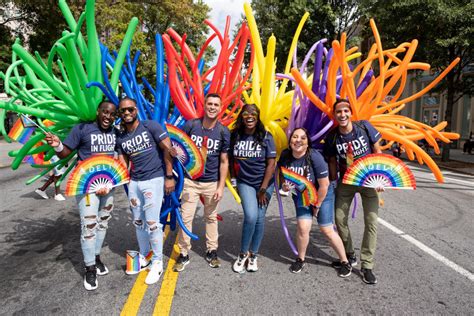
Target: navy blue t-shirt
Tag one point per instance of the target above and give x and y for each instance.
(218, 141)
(89, 139)
(317, 168)
(142, 149)
(360, 138)
(251, 157)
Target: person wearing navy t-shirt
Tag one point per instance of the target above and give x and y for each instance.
(349, 141)
(252, 157)
(212, 138)
(146, 146)
(305, 161)
(95, 209)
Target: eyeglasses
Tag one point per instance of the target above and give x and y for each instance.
(125, 110)
(247, 114)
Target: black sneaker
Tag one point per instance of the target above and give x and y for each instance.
(181, 262)
(101, 267)
(211, 257)
(345, 269)
(90, 278)
(368, 276)
(297, 266)
(352, 260)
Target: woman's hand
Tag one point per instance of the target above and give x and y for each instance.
(262, 197)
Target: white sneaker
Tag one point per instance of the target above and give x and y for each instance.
(59, 197)
(284, 193)
(252, 265)
(239, 264)
(155, 272)
(42, 194)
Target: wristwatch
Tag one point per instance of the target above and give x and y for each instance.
(262, 190)
(169, 177)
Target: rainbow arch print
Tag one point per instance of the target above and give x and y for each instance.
(188, 153)
(95, 173)
(380, 170)
(303, 185)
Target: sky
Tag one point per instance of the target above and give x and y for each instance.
(220, 9)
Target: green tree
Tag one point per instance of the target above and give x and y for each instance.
(43, 22)
(444, 29)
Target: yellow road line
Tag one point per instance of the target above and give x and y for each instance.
(165, 298)
(135, 298)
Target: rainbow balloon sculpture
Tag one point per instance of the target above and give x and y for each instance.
(369, 94)
(66, 87)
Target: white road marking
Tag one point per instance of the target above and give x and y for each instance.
(469, 183)
(428, 250)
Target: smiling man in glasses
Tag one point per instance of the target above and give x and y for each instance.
(95, 209)
(146, 145)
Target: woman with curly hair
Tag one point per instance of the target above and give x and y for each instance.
(252, 159)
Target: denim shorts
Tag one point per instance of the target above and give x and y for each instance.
(326, 212)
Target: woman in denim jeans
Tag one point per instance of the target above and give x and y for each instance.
(305, 161)
(252, 163)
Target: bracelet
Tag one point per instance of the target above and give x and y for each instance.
(60, 148)
(169, 177)
(262, 190)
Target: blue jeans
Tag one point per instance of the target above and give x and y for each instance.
(95, 212)
(326, 212)
(254, 217)
(145, 199)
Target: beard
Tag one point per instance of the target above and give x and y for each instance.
(132, 121)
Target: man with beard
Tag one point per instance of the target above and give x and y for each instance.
(213, 139)
(146, 144)
(95, 209)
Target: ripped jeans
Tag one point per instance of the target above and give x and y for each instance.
(145, 199)
(95, 212)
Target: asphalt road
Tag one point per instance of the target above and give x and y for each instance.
(423, 262)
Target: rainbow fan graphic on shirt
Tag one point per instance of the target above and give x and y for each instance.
(188, 153)
(303, 185)
(380, 171)
(95, 173)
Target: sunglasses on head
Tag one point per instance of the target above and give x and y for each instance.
(125, 110)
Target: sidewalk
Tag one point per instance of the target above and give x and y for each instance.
(463, 163)
(459, 162)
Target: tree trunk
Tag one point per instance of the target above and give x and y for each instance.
(448, 116)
